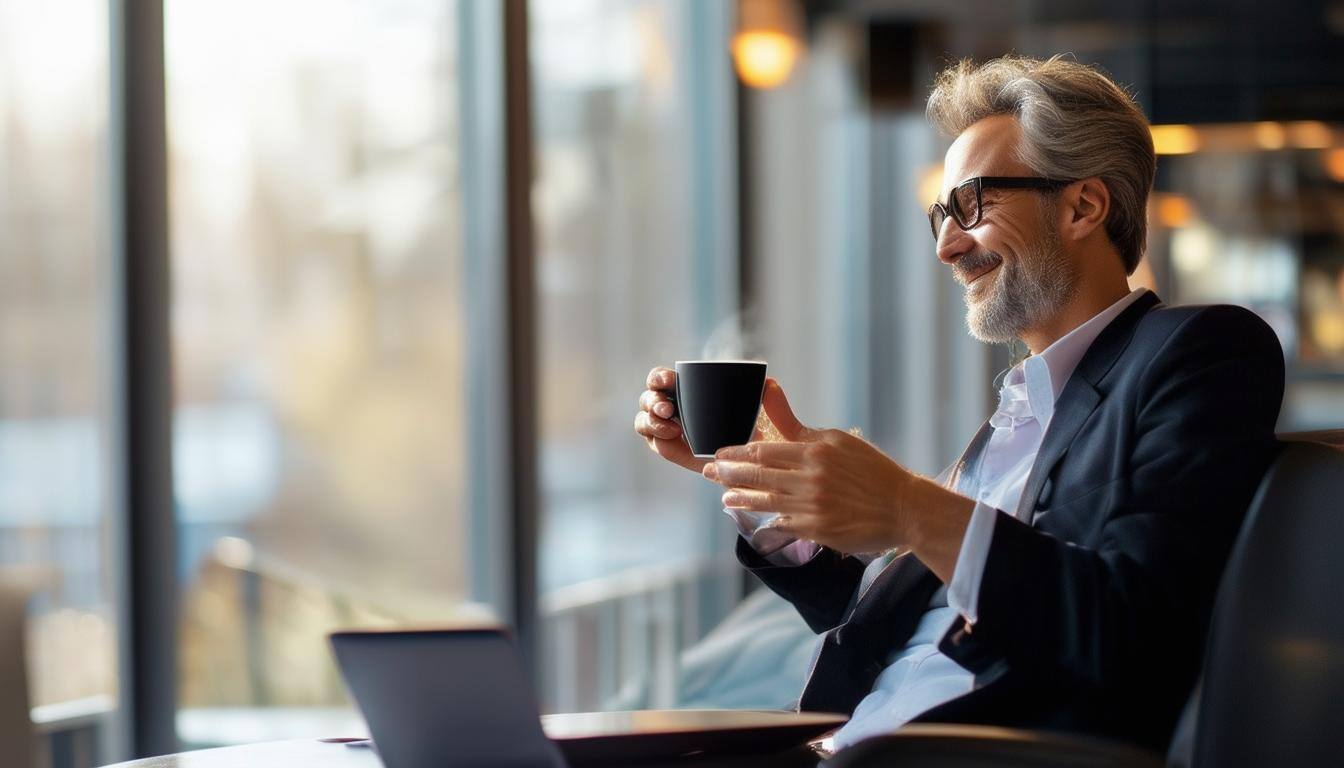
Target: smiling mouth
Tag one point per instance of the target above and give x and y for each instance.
(971, 276)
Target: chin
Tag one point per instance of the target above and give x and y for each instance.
(982, 331)
(987, 317)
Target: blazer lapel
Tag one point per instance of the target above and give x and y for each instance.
(887, 579)
(851, 656)
(1076, 403)
(902, 573)
(1080, 398)
(969, 459)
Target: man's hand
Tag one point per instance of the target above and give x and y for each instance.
(828, 486)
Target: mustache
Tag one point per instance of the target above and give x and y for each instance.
(972, 263)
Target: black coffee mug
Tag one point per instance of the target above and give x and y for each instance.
(717, 402)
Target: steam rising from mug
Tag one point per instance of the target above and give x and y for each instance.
(731, 340)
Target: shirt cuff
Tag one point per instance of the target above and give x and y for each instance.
(963, 593)
(777, 547)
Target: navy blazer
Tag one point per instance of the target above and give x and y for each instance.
(1092, 616)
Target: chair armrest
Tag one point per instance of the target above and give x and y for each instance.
(935, 745)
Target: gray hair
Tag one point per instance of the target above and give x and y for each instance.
(1076, 123)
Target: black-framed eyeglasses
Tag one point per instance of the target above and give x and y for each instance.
(966, 203)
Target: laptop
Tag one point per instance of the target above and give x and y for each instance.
(444, 697)
(439, 697)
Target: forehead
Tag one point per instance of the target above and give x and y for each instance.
(986, 148)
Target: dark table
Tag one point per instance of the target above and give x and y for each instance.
(309, 753)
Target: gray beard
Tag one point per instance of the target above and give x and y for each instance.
(1029, 290)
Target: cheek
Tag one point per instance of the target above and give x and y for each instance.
(1006, 235)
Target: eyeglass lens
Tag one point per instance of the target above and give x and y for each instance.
(966, 204)
(963, 206)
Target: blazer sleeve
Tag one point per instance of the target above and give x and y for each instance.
(1138, 601)
(819, 589)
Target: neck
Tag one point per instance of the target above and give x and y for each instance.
(1095, 293)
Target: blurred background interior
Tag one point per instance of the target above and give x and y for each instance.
(421, 254)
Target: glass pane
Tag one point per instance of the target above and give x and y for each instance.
(53, 349)
(631, 273)
(319, 451)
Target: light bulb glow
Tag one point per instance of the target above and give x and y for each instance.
(1311, 134)
(1269, 135)
(1174, 211)
(763, 58)
(1174, 139)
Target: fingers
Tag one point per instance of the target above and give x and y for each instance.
(792, 514)
(677, 452)
(781, 415)
(661, 378)
(654, 421)
(785, 455)
(751, 499)
(651, 426)
(734, 474)
(655, 408)
(657, 404)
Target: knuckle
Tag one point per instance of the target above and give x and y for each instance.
(822, 497)
(817, 454)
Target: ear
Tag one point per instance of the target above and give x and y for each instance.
(1087, 203)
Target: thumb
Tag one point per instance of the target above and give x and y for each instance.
(781, 415)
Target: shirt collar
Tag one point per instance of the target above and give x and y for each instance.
(1048, 372)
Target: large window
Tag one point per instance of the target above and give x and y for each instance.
(343, 414)
(636, 265)
(319, 342)
(54, 309)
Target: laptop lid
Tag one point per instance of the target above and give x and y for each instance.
(442, 697)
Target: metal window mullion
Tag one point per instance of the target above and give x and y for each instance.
(523, 371)
(480, 115)
(143, 532)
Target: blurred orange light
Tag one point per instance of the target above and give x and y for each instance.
(1174, 139)
(1311, 134)
(764, 58)
(1269, 136)
(768, 42)
(1174, 211)
(1334, 164)
(930, 185)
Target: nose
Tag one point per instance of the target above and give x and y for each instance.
(953, 241)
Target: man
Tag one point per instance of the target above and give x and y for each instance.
(1062, 573)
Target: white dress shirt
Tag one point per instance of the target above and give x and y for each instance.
(919, 677)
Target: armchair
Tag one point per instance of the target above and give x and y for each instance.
(1272, 689)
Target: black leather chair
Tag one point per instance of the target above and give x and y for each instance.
(1272, 690)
